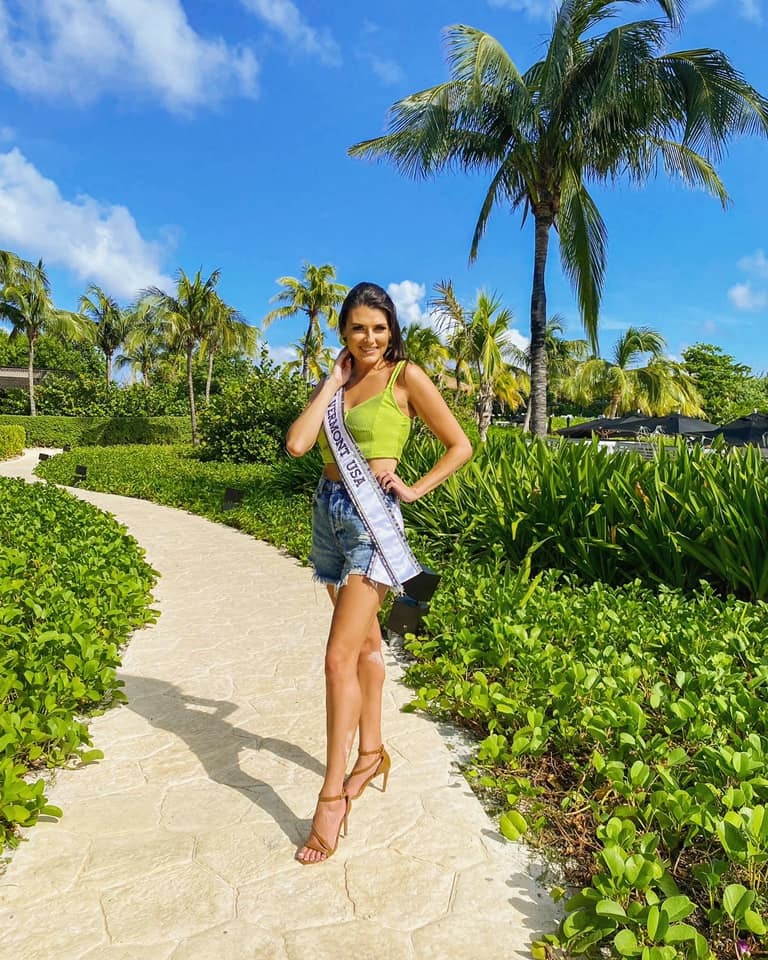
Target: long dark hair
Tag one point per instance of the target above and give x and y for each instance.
(372, 295)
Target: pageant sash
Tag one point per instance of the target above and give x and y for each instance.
(393, 562)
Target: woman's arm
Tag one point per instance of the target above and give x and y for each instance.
(427, 403)
(302, 433)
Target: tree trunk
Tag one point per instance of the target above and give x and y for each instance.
(305, 350)
(538, 399)
(527, 418)
(209, 378)
(31, 378)
(484, 409)
(614, 406)
(109, 368)
(191, 389)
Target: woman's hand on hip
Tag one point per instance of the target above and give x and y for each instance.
(391, 483)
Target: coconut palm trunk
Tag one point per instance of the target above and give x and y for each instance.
(211, 354)
(31, 378)
(537, 404)
(305, 352)
(191, 389)
(484, 408)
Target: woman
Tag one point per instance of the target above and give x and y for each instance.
(382, 392)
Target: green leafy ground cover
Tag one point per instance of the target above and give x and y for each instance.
(622, 726)
(73, 585)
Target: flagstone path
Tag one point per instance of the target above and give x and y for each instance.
(179, 845)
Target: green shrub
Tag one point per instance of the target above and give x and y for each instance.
(44, 431)
(276, 506)
(684, 516)
(248, 421)
(11, 441)
(86, 394)
(73, 585)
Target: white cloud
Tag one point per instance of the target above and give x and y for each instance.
(98, 242)
(755, 265)
(285, 18)
(747, 9)
(744, 297)
(389, 72)
(82, 49)
(281, 354)
(534, 8)
(407, 297)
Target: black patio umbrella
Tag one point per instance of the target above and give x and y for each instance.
(675, 424)
(603, 427)
(750, 429)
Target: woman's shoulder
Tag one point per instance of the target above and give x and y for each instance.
(412, 376)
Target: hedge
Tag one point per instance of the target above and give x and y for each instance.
(11, 441)
(44, 431)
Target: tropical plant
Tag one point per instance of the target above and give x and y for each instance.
(227, 332)
(311, 350)
(186, 317)
(316, 294)
(658, 387)
(596, 106)
(480, 337)
(424, 347)
(111, 325)
(145, 345)
(25, 301)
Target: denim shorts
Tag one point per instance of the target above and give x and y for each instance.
(341, 545)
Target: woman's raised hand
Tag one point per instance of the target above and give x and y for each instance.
(342, 368)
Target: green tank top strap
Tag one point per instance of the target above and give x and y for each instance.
(395, 374)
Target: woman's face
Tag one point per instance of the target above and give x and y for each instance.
(367, 335)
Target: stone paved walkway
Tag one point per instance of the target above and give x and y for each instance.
(179, 845)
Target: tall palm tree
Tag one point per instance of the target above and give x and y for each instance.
(483, 341)
(111, 324)
(595, 107)
(227, 332)
(317, 294)
(25, 301)
(424, 346)
(186, 316)
(657, 387)
(312, 352)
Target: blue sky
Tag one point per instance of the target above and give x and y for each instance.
(139, 136)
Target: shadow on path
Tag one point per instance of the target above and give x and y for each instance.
(202, 724)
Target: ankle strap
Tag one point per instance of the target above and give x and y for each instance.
(323, 799)
(370, 753)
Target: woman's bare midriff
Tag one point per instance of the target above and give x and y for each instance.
(331, 471)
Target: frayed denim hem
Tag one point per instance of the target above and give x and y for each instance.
(397, 589)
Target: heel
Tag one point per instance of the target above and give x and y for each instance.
(381, 764)
(386, 763)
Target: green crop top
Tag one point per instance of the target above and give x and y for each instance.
(379, 426)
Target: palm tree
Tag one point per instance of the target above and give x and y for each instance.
(316, 294)
(424, 346)
(563, 358)
(111, 325)
(186, 317)
(145, 344)
(658, 387)
(25, 301)
(483, 341)
(227, 332)
(312, 352)
(596, 106)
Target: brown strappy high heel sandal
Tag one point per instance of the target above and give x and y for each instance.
(381, 764)
(324, 846)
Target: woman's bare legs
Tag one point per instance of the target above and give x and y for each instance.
(354, 614)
